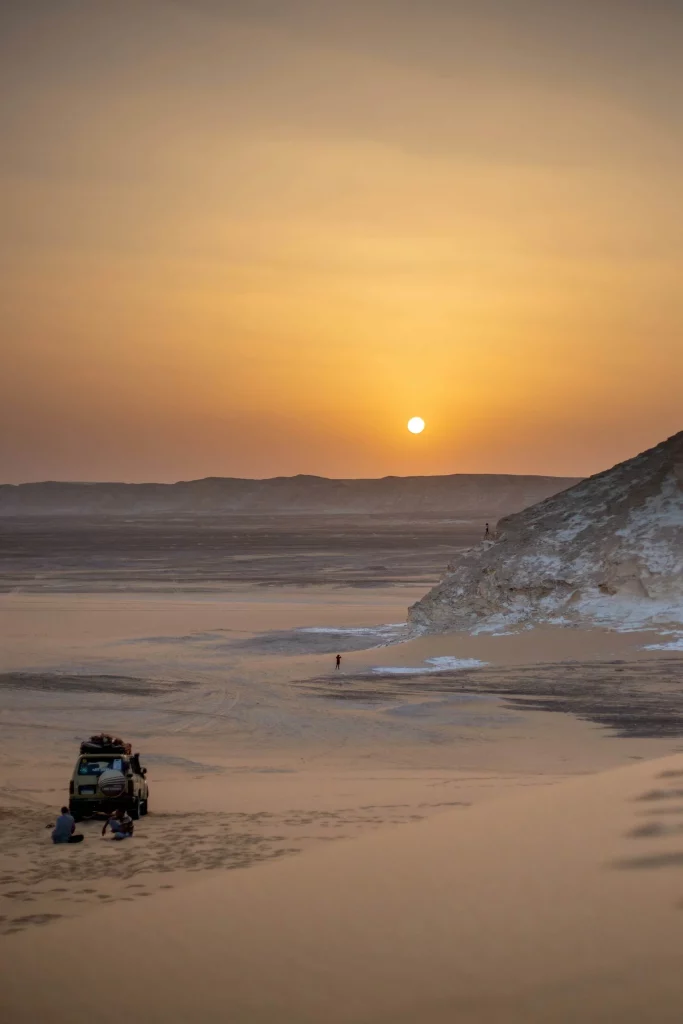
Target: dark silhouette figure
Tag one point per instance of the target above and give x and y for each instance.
(487, 532)
(339, 661)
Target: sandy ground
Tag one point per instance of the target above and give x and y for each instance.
(526, 647)
(551, 905)
(258, 750)
(216, 552)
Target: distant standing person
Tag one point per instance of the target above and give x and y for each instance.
(487, 532)
(65, 829)
(339, 661)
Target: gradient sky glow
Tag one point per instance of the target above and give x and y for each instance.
(253, 238)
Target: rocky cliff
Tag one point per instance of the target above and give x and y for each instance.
(608, 550)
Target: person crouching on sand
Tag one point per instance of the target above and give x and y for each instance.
(120, 823)
(64, 830)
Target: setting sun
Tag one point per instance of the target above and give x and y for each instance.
(416, 425)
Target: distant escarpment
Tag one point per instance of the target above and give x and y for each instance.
(460, 494)
(608, 550)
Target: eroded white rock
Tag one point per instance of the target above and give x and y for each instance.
(608, 551)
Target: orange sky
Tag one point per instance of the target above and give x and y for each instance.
(253, 238)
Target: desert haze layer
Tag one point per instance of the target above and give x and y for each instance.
(221, 532)
(487, 495)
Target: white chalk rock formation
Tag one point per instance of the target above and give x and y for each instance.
(608, 551)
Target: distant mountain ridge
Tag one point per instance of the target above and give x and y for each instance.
(491, 495)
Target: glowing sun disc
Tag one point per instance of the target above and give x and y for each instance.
(416, 425)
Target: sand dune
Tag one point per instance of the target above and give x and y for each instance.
(554, 905)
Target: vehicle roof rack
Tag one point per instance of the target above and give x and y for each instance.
(105, 744)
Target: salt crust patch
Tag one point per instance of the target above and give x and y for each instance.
(671, 645)
(442, 664)
(390, 629)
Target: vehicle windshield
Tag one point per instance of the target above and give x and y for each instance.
(96, 767)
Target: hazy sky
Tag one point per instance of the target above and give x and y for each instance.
(253, 238)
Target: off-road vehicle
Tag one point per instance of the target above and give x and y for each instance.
(107, 776)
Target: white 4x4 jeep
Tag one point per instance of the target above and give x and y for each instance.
(108, 776)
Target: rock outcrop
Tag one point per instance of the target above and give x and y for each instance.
(608, 550)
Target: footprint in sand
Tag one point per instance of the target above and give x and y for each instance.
(662, 860)
(655, 828)
(661, 794)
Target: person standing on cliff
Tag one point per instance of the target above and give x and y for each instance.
(487, 533)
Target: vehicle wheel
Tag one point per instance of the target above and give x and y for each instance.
(75, 812)
(135, 810)
(143, 807)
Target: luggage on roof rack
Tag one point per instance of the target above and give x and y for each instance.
(105, 744)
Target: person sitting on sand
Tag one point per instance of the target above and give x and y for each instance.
(120, 823)
(64, 830)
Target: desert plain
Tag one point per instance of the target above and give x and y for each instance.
(482, 826)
